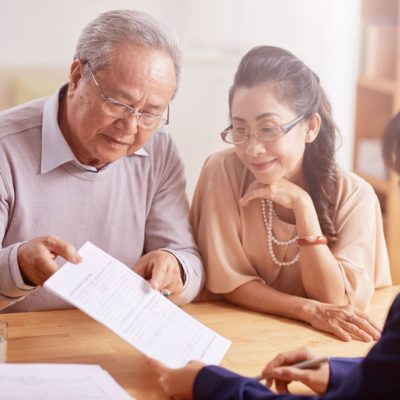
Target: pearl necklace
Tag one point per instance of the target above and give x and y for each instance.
(268, 220)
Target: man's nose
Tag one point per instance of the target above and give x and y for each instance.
(130, 122)
(127, 124)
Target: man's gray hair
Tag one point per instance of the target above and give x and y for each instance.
(112, 28)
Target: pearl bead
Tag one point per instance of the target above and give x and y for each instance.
(268, 221)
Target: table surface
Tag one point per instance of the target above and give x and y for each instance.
(70, 336)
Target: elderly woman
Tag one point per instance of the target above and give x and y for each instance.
(372, 377)
(281, 228)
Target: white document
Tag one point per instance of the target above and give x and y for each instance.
(58, 382)
(117, 297)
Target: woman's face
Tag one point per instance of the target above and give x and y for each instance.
(257, 107)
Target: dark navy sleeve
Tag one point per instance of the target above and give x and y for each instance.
(340, 369)
(377, 375)
(379, 372)
(216, 383)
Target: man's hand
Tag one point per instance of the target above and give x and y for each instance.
(36, 258)
(279, 370)
(177, 383)
(163, 272)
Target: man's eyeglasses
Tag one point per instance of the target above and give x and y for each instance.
(266, 133)
(117, 109)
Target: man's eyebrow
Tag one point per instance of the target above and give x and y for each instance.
(124, 97)
(121, 96)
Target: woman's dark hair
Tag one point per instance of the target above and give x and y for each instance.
(391, 144)
(298, 87)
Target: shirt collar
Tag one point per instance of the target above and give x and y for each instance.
(55, 149)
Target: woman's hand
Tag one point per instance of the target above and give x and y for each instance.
(177, 383)
(283, 192)
(343, 321)
(279, 370)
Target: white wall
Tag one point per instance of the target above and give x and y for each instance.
(214, 35)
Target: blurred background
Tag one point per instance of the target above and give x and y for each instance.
(37, 40)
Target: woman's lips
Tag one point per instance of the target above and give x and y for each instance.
(259, 166)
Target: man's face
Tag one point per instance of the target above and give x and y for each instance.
(141, 78)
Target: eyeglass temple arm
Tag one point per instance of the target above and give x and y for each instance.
(167, 121)
(225, 132)
(291, 124)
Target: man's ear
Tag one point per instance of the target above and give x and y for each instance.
(76, 74)
(313, 126)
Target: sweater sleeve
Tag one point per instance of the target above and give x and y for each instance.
(12, 287)
(361, 249)
(168, 226)
(217, 223)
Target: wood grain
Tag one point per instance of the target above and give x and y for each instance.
(69, 336)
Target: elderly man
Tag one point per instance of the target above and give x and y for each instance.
(91, 163)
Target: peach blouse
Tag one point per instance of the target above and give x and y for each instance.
(233, 240)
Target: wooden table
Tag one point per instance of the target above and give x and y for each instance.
(69, 336)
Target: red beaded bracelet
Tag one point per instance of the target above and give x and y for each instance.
(311, 240)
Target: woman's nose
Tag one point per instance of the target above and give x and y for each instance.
(254, 146)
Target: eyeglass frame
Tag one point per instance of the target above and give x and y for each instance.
(285, 128)
(131, 110)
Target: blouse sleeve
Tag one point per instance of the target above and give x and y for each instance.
(361, 249)
(215, 216)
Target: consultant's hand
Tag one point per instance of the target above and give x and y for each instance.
(163, 272)
(36, 258)
(279, 370)
(177, 383)
(345, 322)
